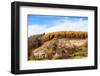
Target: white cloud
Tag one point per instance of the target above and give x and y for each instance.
(65, 25)
(35, 29)
(68, 26)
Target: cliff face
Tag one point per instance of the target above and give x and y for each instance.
(62, 48)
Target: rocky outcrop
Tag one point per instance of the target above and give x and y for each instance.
(57, 49)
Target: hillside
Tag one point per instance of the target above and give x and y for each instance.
(58, 45)
(60, 49)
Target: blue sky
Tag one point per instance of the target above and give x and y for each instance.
(47, 20)
(45, 23)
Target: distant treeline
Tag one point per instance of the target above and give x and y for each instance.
(65, 34)
(35, 41)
